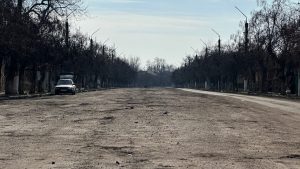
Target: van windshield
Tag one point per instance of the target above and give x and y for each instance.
(65, 82)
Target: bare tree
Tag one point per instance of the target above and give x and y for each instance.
(272, 64)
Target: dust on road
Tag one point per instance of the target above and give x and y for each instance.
(146, 128)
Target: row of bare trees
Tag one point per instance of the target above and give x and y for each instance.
(268, 62)
(36, 46)
(156, 74)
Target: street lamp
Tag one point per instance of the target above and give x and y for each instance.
(91, 39)
(219, 46)
(95, 32)
(246, 30)
(104, 43)
(103, 46)
(196, 51)
(246, 43)
(206, 48)
(219, 42)
(68, 27)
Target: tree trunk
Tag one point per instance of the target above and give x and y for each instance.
(22, 79)
(1, 64)
(83, 82)
(12, 77)
(49, 80)
(2, 75)
(41, 81)
(245, 85)
(298, 84)
(263, 81)
(96, 82)
(33, 79)
(12, 83)
(20, 6)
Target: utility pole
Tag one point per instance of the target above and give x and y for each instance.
(67, 27)
(219, 41)
(67, 33)
(206, 48)
(246, 44)
(207, 82)
(246, 31)
(67, 38)
(64, 68)
(219, 46)
(298, 82)
(91, 39)
(20, 6)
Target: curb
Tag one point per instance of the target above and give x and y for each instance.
(289, 97)
(19, 97)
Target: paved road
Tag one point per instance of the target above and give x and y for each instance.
(147, 128)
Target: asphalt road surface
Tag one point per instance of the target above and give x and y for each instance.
(149, 128)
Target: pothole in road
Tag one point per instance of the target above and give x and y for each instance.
(161, 166)
(292, 156)
(208, 155)
(230, 121)
(121, 151)
(107, 120)
(54, 103)
(84, 104)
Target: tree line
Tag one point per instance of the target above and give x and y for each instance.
(264, 58)
(157, 73)
(36, 45)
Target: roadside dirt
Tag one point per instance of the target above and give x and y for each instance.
(146, 128)
(277, 103)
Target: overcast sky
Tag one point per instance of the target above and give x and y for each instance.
(162, 28)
